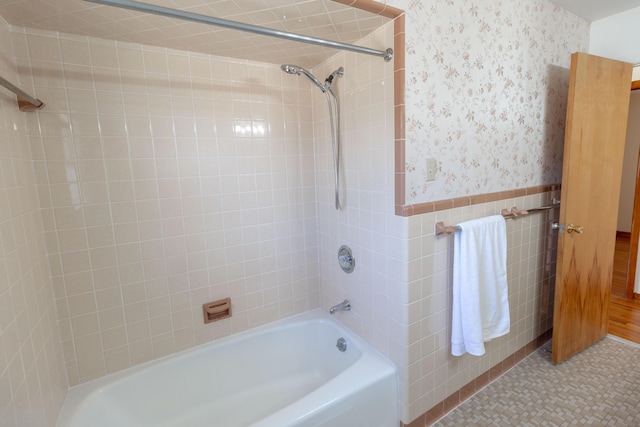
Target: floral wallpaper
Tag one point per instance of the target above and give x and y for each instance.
(486, 89)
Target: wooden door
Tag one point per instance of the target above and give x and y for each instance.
(595, 132)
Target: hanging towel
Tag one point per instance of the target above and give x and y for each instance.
(480, 297)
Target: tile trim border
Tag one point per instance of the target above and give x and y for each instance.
(458, 397)
(440, 205)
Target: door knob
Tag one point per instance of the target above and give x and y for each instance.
(577, 228)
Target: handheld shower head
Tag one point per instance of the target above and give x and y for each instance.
(290, 69)
(294, 69)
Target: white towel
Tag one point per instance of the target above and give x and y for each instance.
(480, 296)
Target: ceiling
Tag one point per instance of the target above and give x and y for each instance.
(592, 10)
(316, 18)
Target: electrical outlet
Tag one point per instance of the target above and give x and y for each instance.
(432, 166)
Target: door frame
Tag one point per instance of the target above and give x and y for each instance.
(635, 227)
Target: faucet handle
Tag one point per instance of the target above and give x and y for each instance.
(345, 259)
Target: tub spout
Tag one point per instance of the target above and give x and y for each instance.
(343, 306)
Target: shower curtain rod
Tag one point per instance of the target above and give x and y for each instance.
(234, 25)
(25, 101)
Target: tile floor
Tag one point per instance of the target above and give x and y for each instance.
(598, 387)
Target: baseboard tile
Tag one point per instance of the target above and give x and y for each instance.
(441, 409)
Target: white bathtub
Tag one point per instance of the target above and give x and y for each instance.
(287, 373)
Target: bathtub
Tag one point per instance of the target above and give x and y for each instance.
(284, 374)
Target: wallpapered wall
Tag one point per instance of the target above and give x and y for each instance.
(486, 94)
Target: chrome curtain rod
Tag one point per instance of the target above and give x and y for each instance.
(25, 101)
(203, 19)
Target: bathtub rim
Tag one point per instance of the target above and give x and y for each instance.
(79, 393)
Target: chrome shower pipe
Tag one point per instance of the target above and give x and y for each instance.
(334, 116)
(234, 25)
(335, 141)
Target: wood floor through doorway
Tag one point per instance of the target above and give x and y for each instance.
(624, 315)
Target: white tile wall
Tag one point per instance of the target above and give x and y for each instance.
(377, 288)
(366, 222)
(32, 377)
(169, 179)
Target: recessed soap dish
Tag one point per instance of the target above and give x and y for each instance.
(216, 310)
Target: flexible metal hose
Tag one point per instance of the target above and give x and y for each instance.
(334, 121)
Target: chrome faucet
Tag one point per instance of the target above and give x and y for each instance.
(343, 306)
